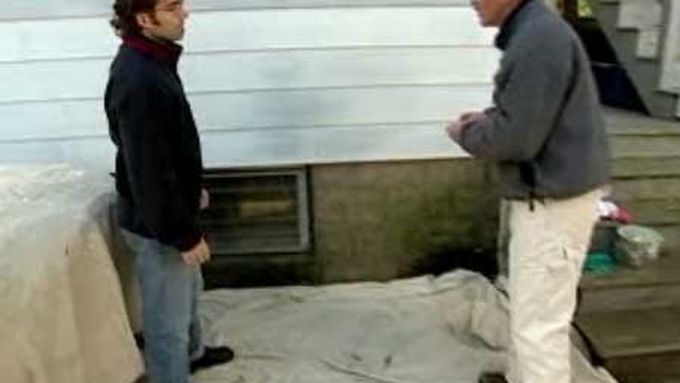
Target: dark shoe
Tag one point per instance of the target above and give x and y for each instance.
(212, 356)
(492, 377)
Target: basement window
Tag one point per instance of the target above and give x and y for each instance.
(257, 212)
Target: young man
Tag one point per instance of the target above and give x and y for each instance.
(158, 179)
(545, 132)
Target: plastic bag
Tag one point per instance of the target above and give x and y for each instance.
(637, 245)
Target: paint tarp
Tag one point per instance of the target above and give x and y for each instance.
(446, 329)
(62, 316)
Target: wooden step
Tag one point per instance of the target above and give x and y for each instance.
(632, 332)
(651, 164)
(650, 286)
(671, 242)
(646, 188)
(656, 212)
(658, 145)
(626, 298)
(636, 343)
(664, 271)
(622, 122)
(632, 315)
(643, 146)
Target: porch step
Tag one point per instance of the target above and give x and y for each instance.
(639, 139)
(660, 213)
(664, 271)
(652, 286)
(646, 171)
(631, 317)
(636, 345)
(623, 122)
(646, 165)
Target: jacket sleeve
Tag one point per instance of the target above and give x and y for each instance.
(148, 154)
(530, 88)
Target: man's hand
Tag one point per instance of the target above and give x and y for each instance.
(205, 200)
(198, 255)
(471, 117)
(455, 129)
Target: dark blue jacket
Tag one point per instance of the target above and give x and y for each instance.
(158, 159)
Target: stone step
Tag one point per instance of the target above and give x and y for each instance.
(636, 344)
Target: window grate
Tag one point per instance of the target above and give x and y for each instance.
(257, 212)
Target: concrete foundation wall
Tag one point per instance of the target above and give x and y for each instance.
(377, 221)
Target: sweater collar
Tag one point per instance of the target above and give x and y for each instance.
(168, 53)
(510, 24)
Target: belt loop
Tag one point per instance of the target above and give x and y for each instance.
(532, 200)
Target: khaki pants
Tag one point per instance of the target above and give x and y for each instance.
(547, 250)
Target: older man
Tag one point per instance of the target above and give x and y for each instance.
(546, 133)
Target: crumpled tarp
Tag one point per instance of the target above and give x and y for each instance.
(424, 330)
(62, 316)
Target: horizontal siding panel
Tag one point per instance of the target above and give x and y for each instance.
(260, 110)
(53, 80)
(231, 72)
(264, 148)
(23, 9)
(345, 68)
(270, 81)
(328, 145)
(56, 39)
(256, 30)
(95, 152)
(319, 28)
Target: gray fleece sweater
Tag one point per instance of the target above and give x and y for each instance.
(546, 130)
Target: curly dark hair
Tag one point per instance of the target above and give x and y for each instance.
(124, 11)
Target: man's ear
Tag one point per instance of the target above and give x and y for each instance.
(144, 20)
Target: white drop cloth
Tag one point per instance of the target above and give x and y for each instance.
(423, 330)
(63, 318)
(62, 314)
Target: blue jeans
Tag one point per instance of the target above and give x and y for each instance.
(169, 292)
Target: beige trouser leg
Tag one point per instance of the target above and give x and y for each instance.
(547, 250)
